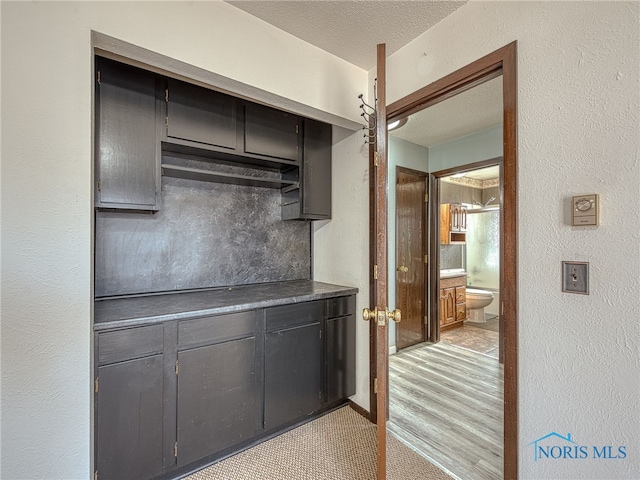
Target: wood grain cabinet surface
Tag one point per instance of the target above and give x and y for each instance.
(453, 301)
(127, 142)
(453, 223)
(180, 394)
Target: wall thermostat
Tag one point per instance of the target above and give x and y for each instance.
(584, 210)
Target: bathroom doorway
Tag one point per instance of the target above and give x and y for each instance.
(469, 258)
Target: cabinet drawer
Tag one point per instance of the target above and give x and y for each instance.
(130, 343)
(289, 316)
(461, 311)
(341, 306)
(216, 329)
(461, 294)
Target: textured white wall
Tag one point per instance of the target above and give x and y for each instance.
(47, 201)
(341, 248)
(578, 74)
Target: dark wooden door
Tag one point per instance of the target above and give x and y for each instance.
(200, 115)
(294, 362)
(130, 419)
(127, 148)
(410, 257)
(216, 398)
(271, 132)
(293, 374)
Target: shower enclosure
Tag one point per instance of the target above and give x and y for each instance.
(482, 252)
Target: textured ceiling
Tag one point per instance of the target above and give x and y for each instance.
(472, 111)
(351, 29)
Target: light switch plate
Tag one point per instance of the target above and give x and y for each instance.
(575, 277)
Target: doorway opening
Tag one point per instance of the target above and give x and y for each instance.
(499, 65)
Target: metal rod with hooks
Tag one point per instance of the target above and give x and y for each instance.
(369, 114)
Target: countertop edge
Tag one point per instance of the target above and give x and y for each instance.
(240, 307)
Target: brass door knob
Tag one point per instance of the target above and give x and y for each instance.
(402, 269)
(369, 314)
(395, 315)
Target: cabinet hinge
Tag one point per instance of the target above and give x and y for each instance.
(96, 385)
(98, 77)
(95, 475)
(320, 395)
(426, 197)
(166, 94)
(320, 334)
(375, 159)
(176, 368)
(426, 259)
(375, 272)
(99, 184)
(166, 122)
(501, 308)
(175, 449)
(375, 385)
(426, 319)
(297, 129)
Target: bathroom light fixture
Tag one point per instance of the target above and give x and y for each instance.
(397, 124)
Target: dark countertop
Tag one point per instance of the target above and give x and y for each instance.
(147, 309)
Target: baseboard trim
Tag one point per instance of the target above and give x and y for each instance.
(360, 410)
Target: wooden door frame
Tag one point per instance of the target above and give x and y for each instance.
(500, 62)
(425, 246)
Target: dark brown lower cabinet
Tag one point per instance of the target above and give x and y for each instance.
(130, 419)
(216, 398)
(293, 374)
(174, 396)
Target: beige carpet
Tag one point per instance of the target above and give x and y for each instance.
(338, 446)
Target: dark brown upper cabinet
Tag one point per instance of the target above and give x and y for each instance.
(311, 200)
(127, 140)
(146, 124)
(201, 115)
(272, 133)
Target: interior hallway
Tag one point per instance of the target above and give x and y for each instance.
(446, 402)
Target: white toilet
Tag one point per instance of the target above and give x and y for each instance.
(476, 301)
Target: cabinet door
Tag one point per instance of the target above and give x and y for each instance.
(216, 395)
(315, 181)
(201, 115)
(130, 419)
(448, 305)
(127, 148)
(271, 132)
(293, 374)
(341, 357)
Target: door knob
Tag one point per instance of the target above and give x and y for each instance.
(381, 316)
(402, 269)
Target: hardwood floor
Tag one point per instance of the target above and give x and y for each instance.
(446, 402)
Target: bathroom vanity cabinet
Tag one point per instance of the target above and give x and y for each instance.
(453, 308)
(184, 379)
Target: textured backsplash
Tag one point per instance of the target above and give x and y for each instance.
(206, 235)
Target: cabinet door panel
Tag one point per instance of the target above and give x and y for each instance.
(127, 150)
(216, 395)
(316, 170)
(341, 358)
(200, 115)
(293, 374)
(271, 132)
(130, 399)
